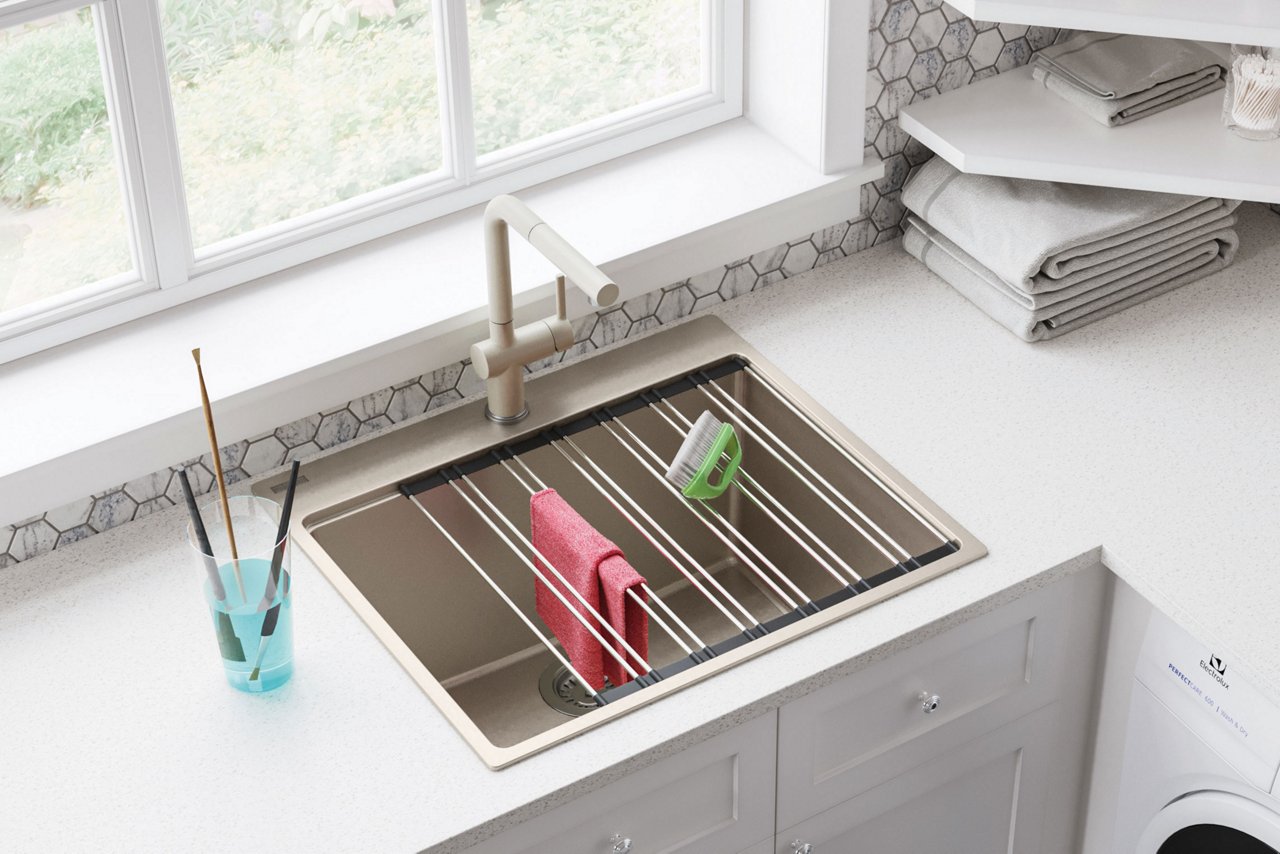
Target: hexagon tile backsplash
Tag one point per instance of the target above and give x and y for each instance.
(918, 48)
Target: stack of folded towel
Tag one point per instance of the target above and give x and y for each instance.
(1043, 258)
(1117, 79)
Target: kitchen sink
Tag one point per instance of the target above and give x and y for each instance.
(423, 530)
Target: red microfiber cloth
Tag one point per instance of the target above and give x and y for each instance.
(598, 570)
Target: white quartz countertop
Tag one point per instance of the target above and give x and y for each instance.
(1150, 439)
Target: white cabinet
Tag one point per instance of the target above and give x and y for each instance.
(970, 742)
(715, 797)
(894, 715)
(985, 797)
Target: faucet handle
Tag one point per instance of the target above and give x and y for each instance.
(562, 312)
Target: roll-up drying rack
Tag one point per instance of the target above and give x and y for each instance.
(778, 503)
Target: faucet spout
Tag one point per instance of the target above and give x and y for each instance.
(500, 360)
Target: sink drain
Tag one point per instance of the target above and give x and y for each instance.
(561, 691)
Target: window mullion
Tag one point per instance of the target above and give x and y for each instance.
(454, 61)
(148, 138)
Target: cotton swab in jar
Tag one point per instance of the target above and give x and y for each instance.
(1255, 104)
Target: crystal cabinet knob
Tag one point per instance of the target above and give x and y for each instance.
(619, 844)
(929, 702)
(799, 847)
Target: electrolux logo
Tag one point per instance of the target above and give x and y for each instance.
(1217, 668)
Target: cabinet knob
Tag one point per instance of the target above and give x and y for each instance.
(619, 844)
(929, 702)
(798, 847)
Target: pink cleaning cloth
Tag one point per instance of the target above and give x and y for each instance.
(598, 570)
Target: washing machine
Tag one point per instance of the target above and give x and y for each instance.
(1187, 750)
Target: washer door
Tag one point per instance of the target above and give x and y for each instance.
(1212, 822)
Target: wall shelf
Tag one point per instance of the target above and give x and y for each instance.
(1009, 125)
(1241, 21)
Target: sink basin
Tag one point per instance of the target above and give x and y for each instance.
(424, 531)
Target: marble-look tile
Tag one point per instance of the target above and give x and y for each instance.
(896, 95)
(145, 508)
(897, 59)
(642, 306)
(862, 233)
(468, 384)
(408, 402)
(63, 518)
(336, 428)
(875, 49)
(706, 283)
(927, 69)
(800, 258)
(302, 452)
(373, 425)
(443, 379)
(263, 455)
(899, 20)
(299, 432)
(675, 304)
(737, 281)
(112, 509)
(891, 140)
(957, 39)
(33, 538)
(1013, 55)
(955, 74)
(610, 327)
(770, 278)
(928, 30)
(895, 172)
(371, 405)
(146, 488)
(73, 535)
(986, 49)
(831, 237)
(769, 260)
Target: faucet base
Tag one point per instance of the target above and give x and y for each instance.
(506, 419)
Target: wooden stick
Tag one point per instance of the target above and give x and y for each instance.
(217, 470)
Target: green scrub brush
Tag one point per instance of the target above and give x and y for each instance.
(696, 461)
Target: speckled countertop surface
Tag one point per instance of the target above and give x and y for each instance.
(1151, 438)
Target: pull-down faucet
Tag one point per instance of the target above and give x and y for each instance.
(500, 360)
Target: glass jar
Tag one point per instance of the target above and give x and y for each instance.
(1251, 105)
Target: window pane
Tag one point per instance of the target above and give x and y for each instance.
(62, 216)
(539, 66)
(286, 106)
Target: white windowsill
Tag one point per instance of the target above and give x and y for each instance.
(122, 403)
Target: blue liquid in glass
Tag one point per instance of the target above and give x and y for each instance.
(247, 621)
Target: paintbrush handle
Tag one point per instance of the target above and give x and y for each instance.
(282, 534)
(217, 470)
(202, 538)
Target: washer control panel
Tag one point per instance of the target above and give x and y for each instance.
(1203, 688)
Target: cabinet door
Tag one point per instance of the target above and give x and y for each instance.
(714, 797)
(872, 726)
(985, 797)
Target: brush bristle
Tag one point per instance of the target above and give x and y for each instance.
(694, 450)
(195, 354)
(253, 677)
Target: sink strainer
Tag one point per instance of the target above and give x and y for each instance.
(562, 691)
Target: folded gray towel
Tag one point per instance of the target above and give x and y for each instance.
(1037, 321)
(1040, 236)
(1117, 79)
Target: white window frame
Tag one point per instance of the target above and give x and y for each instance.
(169, 271)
